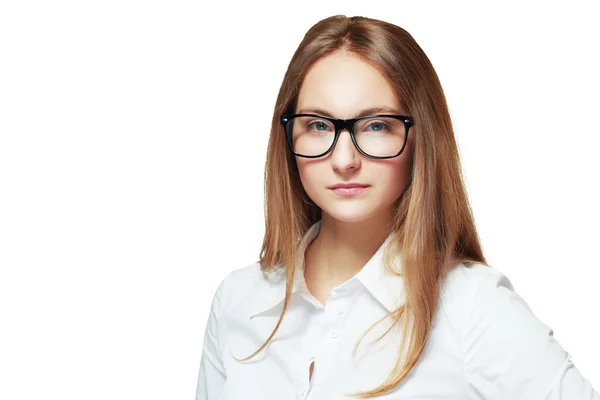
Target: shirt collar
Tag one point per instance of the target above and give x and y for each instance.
(385, 287)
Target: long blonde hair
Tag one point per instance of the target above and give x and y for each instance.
(433, 224)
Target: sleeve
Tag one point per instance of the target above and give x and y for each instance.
(510, 353)
(211, 377)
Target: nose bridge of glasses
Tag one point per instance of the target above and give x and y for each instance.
(344, 124)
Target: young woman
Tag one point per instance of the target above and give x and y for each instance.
(371, 280)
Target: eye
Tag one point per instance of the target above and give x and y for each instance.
(379, 125)
(319, 125)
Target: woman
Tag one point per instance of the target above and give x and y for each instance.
(371, 279)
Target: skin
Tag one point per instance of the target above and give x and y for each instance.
(354, 227)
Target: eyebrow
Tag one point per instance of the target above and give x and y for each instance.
(363, 113)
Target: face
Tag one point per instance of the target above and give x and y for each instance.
(343, 85)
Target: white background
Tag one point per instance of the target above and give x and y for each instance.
(132, 146)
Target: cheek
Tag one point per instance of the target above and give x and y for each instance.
(392, 177)
(308, 170)
(393, 173)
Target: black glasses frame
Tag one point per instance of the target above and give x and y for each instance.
(347, 124)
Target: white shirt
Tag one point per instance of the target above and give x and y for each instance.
(485, 342)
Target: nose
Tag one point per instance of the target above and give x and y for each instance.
(344, 155)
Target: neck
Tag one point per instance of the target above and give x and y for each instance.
(341, 249)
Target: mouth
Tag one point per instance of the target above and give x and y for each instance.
(349, 190)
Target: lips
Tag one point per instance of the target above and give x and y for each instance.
(349, 190)
(348, 186)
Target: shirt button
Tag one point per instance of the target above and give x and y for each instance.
(333, 334)
(339, 311)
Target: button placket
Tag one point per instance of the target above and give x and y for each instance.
(336, 311)
(331, 323)
(305, 354)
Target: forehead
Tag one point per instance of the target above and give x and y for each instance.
(344, 84)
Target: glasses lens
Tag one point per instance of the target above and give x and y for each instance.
(377, 136)
(380, 136)
(310, 136)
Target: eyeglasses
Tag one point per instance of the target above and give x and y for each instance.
(375, 136)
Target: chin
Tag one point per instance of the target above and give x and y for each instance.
(350, 212)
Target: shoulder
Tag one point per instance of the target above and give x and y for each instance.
(243, 284)
(468, 282)
(484, 299)
(239, 279)
(470, 275)
(502, 339)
